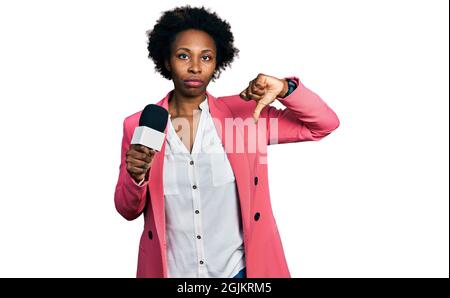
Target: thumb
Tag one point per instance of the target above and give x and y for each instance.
(258, 109)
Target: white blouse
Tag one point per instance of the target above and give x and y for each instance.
(203, 221)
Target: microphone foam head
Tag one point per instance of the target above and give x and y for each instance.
(155, 117)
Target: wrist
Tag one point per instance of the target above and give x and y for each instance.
(285, 89)
(138, 178)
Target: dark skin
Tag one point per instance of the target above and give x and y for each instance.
(193, 56)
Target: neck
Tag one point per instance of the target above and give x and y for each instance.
(182, 105)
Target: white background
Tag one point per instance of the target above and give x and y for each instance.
(369, 200)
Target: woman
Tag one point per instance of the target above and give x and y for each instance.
(205, 195)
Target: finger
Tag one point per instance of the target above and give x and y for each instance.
(244, 96)
(257, 90)
(256, 86)
(136, 170)
(151, 153)
(143, 149)
(260, 81)
(134, 163)
(255, 96)
(140, 156)
(257, 111)
(138, 163)
(147, 159)
(252, 95)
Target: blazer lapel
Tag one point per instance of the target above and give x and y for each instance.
(239, 161)
(156, 190)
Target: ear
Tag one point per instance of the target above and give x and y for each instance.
(167, 64)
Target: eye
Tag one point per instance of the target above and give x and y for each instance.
(207, 58)
(182, 56)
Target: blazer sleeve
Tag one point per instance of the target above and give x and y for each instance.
(129, 197)
(306, 117)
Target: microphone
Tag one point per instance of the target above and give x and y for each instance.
(152, 124)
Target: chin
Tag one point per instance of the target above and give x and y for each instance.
(195, 91)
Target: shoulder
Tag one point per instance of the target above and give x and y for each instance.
(132, 120)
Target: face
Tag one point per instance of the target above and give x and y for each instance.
(192, 61)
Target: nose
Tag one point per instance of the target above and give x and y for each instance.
(195, 66)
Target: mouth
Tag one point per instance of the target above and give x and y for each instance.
(193, 83)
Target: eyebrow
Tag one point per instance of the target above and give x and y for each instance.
(186, 49)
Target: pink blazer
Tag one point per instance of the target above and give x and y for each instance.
(306, 118)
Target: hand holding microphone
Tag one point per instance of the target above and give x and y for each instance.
(147, 140)
(139, 159)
